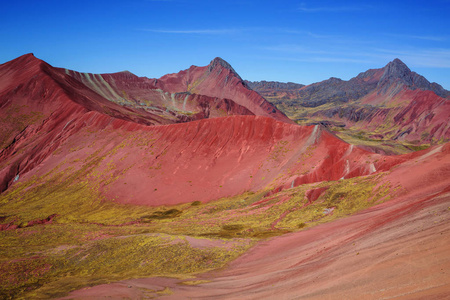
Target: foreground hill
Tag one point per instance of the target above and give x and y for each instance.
(395, 250)
(165, 165)
(388, 106)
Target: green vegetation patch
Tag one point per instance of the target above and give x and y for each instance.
(58, 270)
(163, 214)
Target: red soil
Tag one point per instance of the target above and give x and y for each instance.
(174, 163)
(41, 107)
(314, 194)
(50, 119)
(398, 249)
(411, 113)
(218, 79)
(156, 165)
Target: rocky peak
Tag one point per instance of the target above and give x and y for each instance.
(123, 75)
(219, 64)
(334, 80)
(396, 72)
(276, 85)
(24, 63)
(28, 56)
(25, 59)
(396, 69)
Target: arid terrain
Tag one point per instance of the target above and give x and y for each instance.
(200, 185)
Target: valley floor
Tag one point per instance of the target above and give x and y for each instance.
(395, 250)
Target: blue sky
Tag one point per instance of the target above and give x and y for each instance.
(298, 41)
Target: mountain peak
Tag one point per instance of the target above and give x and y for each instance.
(27, 61)
(29, 57)
(397, 69)
(396, 73)
(219, 62)
(397, 61)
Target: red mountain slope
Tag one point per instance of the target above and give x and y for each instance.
(165, 164)
(398, 249)
(139, 93)
(173, 164)
(219, 79)
(38, 103)
(414, 115)
(79, 146)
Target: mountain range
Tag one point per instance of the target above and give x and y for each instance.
(381, 105)
(114, 177)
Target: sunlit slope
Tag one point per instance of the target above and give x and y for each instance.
(390, 110)
(195, 161)
(398, 249)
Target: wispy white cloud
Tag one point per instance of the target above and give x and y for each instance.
(413, 56)
(311, 54)
(274, 30)
(332, 59)
(193, 31)
(304, 32)
(420, 37)
(233, 30)
(431, 58)
(295, 49)
(328, 49)
(342, 8)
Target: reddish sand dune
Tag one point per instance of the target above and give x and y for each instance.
(398, 249)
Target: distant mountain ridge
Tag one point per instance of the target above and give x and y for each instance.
(397, 72)
(393, 77)
(260, 85)
(389, 103)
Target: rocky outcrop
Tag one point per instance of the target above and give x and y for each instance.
(397, 76)
(273, 86)
(389, 81)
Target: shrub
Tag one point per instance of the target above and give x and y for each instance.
(164, 214)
